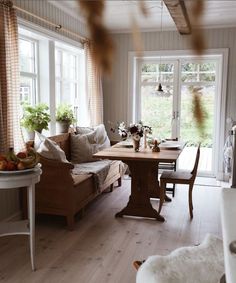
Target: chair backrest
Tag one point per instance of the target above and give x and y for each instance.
(194, 171)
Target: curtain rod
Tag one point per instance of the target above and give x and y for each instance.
(57, 27)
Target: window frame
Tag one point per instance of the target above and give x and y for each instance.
(32, 75)
(46, 91)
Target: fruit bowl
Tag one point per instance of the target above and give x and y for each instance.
(20, 171)
(22, 161)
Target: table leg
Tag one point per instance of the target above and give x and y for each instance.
(31, 205)
(139, 204)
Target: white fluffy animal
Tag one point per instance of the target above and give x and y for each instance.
(198, 264)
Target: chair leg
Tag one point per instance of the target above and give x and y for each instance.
(119, 182)
(162, 195)
(190, 200)
(173, 192)
(111, 187)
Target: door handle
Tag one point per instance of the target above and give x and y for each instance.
(173, 115)
(177, 115)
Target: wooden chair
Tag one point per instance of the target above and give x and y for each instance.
(168, 166)
(183, 177)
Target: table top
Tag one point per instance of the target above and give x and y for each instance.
(123, 153)
(8, 181)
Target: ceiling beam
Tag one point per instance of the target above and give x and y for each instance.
(178, 12)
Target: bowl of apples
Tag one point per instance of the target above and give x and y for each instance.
(22, 161)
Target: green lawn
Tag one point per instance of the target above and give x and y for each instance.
(157, 112)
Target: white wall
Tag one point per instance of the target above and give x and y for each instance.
(9, 200)
(116, 87)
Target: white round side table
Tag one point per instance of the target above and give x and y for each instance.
(23, 227)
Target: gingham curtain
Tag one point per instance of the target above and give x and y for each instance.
(93, 87)
(10, 131)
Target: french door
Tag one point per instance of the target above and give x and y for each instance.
(170, 113)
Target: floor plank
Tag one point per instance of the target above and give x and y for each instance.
(102, 247)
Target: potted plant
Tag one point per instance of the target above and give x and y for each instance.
(64, 117)
(35, 118)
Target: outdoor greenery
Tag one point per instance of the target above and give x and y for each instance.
(157, 110)
(35, 118)
(64, 113)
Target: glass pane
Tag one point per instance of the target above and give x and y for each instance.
(189, 77)
(149, 77)
(58, 92)
(73, 68)
(66, 65)
(211, 66)
(68, 92)
(189, 67)
(207, 77)
(149, 73)
(27, 89)
(27, 56)
(167, 77)
(157, 72)
(188, 129)
(58, 64)
(147, 68)
(156, 110)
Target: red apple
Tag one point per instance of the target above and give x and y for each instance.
(2, 157)
(3, 165)
(11, 166)
(21, 155)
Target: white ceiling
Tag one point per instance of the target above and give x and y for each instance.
(119, 14)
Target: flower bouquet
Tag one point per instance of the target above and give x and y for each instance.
(134, 131)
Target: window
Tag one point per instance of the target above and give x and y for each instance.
(28, 69)
(51, 72)
(68, 63)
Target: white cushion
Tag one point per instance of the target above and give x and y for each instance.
(84, 130)
(101, 137)
(82, 149)
(48, 148)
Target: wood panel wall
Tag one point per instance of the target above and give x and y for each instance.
(115, 87)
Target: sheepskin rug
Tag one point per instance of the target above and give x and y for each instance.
(198, 264)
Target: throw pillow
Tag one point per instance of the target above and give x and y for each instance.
(83, 130)
(101, 137)
(81, 149)
(48, 148)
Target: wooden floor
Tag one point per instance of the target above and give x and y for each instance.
(102, 248)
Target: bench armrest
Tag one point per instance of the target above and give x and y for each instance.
(56, 163)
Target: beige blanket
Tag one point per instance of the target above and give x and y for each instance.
(99, 169)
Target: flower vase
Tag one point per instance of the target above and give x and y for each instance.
(145, 140)
(136, 144)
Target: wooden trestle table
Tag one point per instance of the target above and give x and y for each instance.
(144, 179)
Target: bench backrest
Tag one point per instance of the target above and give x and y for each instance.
(63, 140)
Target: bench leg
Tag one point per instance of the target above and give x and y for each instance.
(119, 182)
(81, 213)
(111, 187)
(70, 222)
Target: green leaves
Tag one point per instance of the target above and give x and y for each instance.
(64, 113)
(35, 117)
